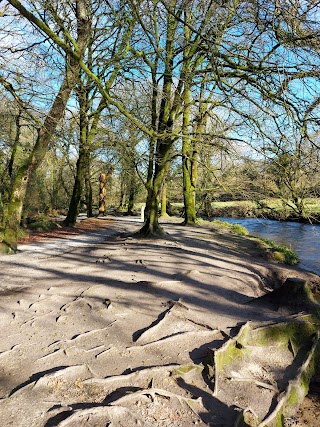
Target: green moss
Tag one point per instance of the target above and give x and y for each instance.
(185, 369)
(279, 420)
(217, 224)
(280, 253)
(233, 349)
(239, 230)
(297, 332)
(279, 257)
(295, 395)
(228, 356)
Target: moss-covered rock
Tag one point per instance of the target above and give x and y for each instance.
(266, 370)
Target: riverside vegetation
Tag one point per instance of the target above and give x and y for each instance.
(266, 208)
(279, 253)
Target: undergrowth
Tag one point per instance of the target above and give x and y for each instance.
(42, 224)
(280, 253)
(218, 224)
(22, 233)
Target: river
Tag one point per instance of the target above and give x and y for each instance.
(304, 239)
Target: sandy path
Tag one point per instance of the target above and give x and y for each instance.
(90, 323)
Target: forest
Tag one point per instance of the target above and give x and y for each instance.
(172, 104)
(148, 117)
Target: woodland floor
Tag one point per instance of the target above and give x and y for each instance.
(95, 323)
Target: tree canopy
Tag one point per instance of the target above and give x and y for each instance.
(154, 82)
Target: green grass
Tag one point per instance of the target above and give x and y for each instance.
(232, 203)
(280, 253)
(239, 230)
(217, 224)
(313, 205)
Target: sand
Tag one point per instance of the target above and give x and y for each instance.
(96, 326)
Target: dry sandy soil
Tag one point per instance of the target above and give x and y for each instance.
(99, 328)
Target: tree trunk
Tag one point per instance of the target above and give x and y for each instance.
(133, 183)
(188, 185)
(130, 210)
(13, 213)
(167, 112)
(102, 194)
(19, 186)
(187, 144)
(164, 199)
(89, 200)
(73, 210)
(83, 162)
(152, 226)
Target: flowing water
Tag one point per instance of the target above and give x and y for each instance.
(304, 239)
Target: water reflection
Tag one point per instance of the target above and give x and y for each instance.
(304, 239)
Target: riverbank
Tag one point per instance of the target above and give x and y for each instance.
(302, 238)
(272, 209)
(102, 325)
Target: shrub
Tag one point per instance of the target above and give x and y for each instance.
(280, 253)
(41, 223)
(239, 230)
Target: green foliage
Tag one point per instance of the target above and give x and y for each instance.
(218, 224)
(22, 233)
(42, 223)
(239, 230)
(176, 209)
(280, 253)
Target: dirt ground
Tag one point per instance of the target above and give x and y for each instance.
(101, 328)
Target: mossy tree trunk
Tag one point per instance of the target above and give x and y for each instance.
(19, 184)
(153, 141)
(89, 195)
(164, 198)
(164, 190)
(189, 144)
(162, 146)
(189, 189)
(190, 157)
(13, 212)
(83, 162)
(88, 127)
(152, 226)
(130, 210)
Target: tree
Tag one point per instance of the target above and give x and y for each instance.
(293, 174)
(238, 48)
(44, 134)
(91, 104)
